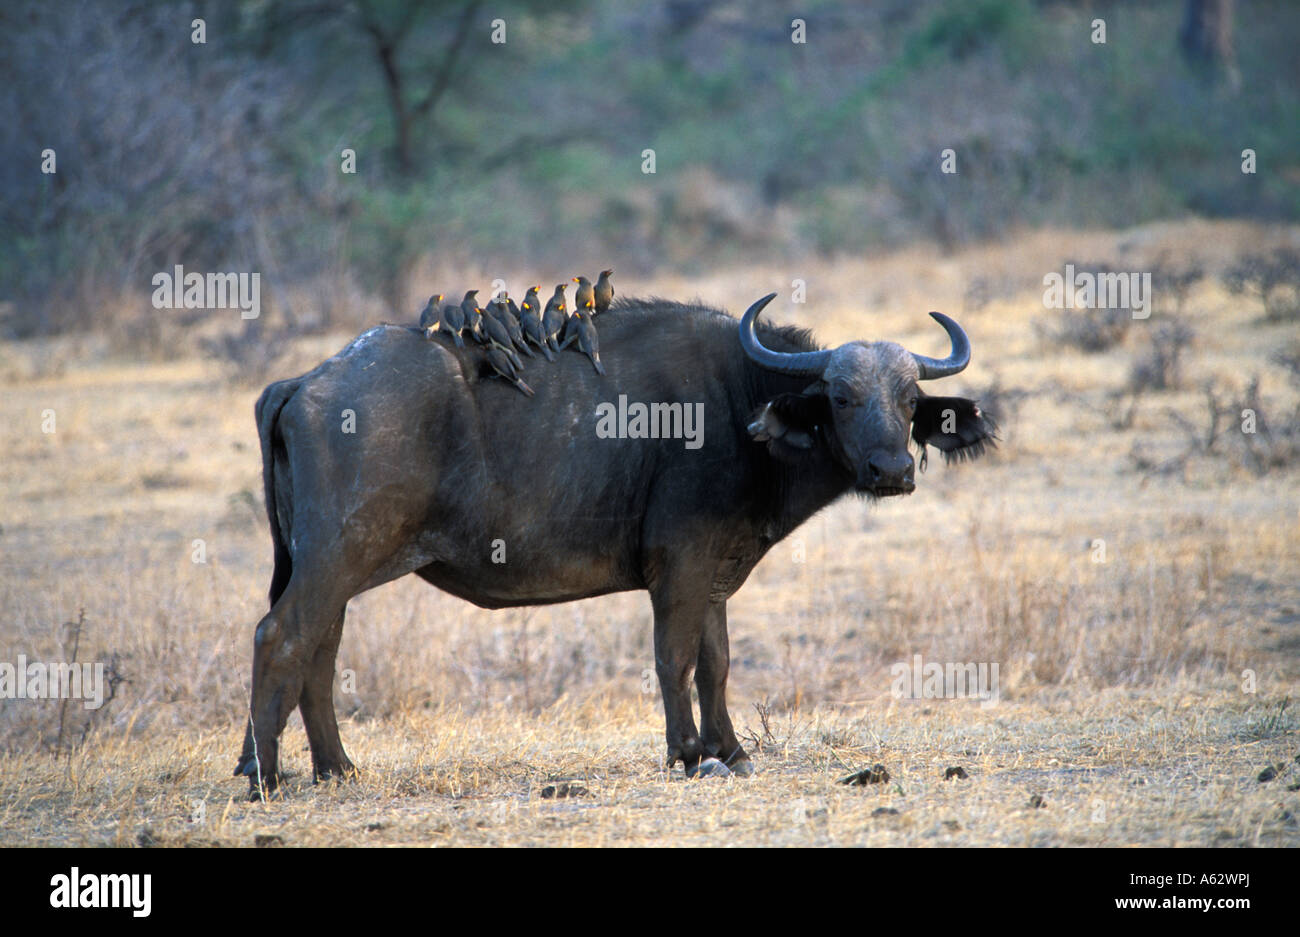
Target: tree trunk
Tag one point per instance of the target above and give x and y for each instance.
(1206, 39)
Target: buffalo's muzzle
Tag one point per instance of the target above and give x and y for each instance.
(887, 475)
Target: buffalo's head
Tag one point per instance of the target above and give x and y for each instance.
(863, 399)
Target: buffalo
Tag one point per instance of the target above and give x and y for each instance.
(405, 454)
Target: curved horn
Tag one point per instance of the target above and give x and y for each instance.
(957, 360)
(802, 363)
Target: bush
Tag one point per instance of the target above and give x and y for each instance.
(1159, 366)
(1170, 279)
(1272, 278)
(1089, 330)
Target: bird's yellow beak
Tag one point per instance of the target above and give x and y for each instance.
(575, 279)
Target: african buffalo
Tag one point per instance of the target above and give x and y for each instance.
(402, 454)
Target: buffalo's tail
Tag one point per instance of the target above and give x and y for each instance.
(267, 411)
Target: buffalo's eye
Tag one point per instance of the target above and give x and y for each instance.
(841, 402)
(912, 402)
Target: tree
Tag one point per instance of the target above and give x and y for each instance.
(407, 104)
(1206, 39)
(422, 50)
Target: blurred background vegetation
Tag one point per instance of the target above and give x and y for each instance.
(226, 155)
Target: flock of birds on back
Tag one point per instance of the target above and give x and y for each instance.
(505, 329)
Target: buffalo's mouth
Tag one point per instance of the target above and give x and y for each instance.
(887, 491)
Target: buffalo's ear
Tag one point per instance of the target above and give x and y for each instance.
(788, 423)
(955, 426)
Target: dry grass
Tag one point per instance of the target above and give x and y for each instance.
(1117, 768)
(1122, 698)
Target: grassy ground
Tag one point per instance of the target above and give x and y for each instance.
(1142, 692)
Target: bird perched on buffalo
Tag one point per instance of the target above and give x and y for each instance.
(569, 334)
(604, 291)
(499, 362)
(585, 295)
(469, 304)
(553, 319)
(499, 335)
(474, 317)
(452, 321)
(501, 309)
(429, 315)
(530, 321)
(474, 324)
(583, 331)
(533, 301)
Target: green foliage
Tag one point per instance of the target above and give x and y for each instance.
(533, 148)
(962, 28)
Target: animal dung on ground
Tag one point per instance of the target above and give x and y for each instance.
(563, 789)
(876, 774)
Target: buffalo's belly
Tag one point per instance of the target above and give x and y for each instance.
(496, 564)
(506, 587)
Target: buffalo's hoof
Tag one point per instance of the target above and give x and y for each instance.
(339, 772)
(247, 767)
(269, 789)
(742, 768)
(709, 768)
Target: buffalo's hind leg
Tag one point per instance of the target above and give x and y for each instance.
(717, 736)
(307, 618)
(328, 759)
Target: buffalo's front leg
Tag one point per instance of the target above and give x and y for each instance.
(679, 624)
(717, 736)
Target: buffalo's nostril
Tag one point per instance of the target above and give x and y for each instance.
(888, 472)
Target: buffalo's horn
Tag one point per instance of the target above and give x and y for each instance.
(804, 363)
(957, 360)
